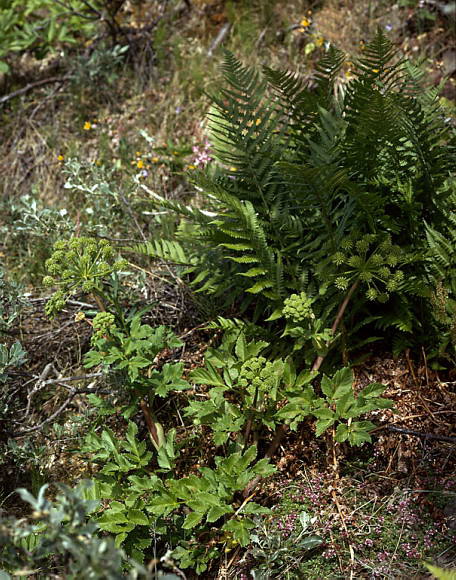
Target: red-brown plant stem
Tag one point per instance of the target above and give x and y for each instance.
(283, 429)
(249, 424)
(149, 421)
(99, 302)
(340, 313)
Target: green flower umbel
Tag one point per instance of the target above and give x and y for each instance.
(297, 308)
(79, 264)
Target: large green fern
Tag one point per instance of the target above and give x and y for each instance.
(304, 170)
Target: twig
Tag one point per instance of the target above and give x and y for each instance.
(152, 274)
(219, 39)
(60, 410)
(192, 330)
(74, 378)
(31, 86)
(99, 302)
(425, 365)
(72, 302)
(39, 385)
(446, 438)
(57, 331)
(75, 13)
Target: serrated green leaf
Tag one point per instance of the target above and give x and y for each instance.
(239, 247)
(245, 460)
(264, 468)
(240, 530)
(326, 386)
(138, 517)
(322, 425)
(341, 433)
(241, 347)
(207, 376)
(253, 508)
(142, 484)
(192, 520)
(304, 378)
(120, 539)
(277, 313)
(358, 433)
(342, 383)
(244, 259)
(251, 273)
(345, 404)
(217, 512)
(162, 504)
(372, 390)
(323, 413)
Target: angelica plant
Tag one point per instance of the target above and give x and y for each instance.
(81, 265)
(246, 389)
(374, 262)
(337, 408)
(305, 327)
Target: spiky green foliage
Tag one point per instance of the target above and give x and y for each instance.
(302, 174)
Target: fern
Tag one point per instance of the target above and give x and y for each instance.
(167, 250)
(304, 171)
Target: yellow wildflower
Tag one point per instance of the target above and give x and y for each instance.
(257, 122)
(140, 164)
(305, 23)
(375, 70)
(155, 159)
(87, 126)
(79, 316)
(138, 153)
(233, 168)
(319, 41)
(191, 167)
(61, 158)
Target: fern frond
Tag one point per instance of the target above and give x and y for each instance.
(441, 257)
(377, 58)
(245, 129)
(195, 214)
(326, 72)
(226, 324)
(167, 250)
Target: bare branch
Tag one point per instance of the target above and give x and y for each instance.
(31, 86)
(420, 434)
